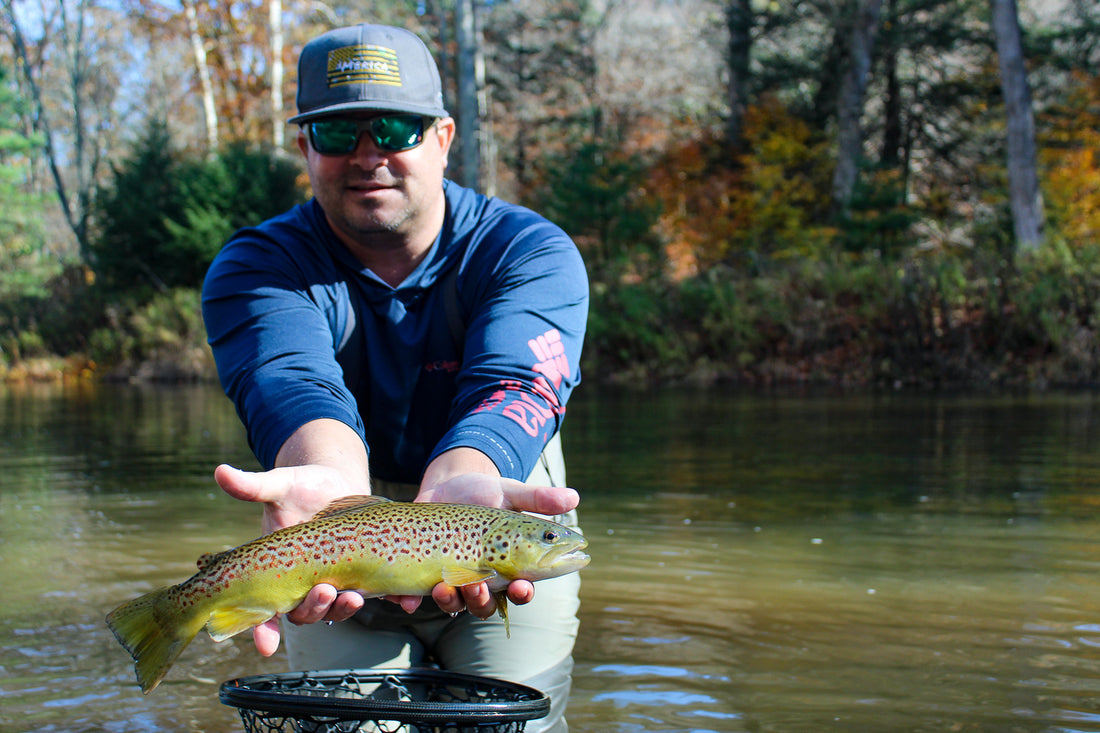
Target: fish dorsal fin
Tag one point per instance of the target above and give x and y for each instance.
(347, 503)
(207, 559)
(459, 576)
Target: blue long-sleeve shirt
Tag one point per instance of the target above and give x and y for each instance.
(301, 330)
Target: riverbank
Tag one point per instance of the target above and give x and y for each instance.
(932, 321)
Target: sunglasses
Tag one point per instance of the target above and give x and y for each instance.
(392, 133)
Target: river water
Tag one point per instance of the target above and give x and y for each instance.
(901, 562)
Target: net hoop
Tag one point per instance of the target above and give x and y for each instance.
(423, 697)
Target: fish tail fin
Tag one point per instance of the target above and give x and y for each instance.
(155, 631)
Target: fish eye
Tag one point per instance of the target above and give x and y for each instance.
(550, 535)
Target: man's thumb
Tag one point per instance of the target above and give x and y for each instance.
(265, 487)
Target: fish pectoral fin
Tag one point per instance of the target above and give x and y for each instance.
(227, 622)
(459, 576)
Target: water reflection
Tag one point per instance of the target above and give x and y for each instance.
(760, 563)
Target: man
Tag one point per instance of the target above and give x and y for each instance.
(401, 335)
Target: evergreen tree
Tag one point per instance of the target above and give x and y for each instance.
(163, 217)
(21, 208)
(132, 213)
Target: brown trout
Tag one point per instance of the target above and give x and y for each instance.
(362, 543)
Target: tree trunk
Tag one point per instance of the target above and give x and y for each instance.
(487, 140)
(850, 104)
(468, 112)
(892, 129)
(739, 21)
(1023, 178)
(198, 51)
(278, 125)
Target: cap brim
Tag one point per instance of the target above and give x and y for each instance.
(363, 106)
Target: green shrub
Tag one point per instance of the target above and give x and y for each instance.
(163, 217)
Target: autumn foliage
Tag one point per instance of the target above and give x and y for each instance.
(766, 199)
(1072, 158)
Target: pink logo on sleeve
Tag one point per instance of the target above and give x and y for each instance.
(533, 406)
(550, 352)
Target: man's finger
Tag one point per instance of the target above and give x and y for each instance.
(408, 603)
(521, 592)
(479, 601)
(267, 487)
(448, 598)
(539, 499)
(266, 636)
(346, 605)
(314, 606)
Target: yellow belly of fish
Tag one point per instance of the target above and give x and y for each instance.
(250, 601)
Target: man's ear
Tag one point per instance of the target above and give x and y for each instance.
(445, 132)
(303, 143)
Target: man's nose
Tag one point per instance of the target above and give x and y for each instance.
(366, 151)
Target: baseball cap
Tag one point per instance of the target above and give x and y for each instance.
(367, 67)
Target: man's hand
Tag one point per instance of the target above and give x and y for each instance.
(443, 482)
(290, 496)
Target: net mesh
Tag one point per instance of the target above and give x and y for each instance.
(407, 701)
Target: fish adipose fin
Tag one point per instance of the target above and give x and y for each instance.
(227, 622)
(154, 632)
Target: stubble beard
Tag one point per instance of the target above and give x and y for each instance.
(366, 222)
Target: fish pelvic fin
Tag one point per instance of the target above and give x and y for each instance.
(501, 597)
(227, 622)
(154, 631)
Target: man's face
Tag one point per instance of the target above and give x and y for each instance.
(373, 197)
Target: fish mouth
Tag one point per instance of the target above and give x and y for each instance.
(567, 554)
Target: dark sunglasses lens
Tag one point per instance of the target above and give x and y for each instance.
(334, 137)
(397, 132)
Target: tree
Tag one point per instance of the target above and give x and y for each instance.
(132, 211)
(739, 22)
(21, 208)
(71, 94)
(202, 70)
(541, 74)
(1023, 177)
(275, 29)
(860, 29)
(469, 93)
(164, 215)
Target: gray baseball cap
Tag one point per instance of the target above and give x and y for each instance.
(367, 67)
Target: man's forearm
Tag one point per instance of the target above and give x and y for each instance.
(328, 443)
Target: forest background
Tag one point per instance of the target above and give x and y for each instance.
(847, 192)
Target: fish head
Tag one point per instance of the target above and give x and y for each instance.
(522, 546)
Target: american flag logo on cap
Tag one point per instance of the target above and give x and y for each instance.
(363, 65)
